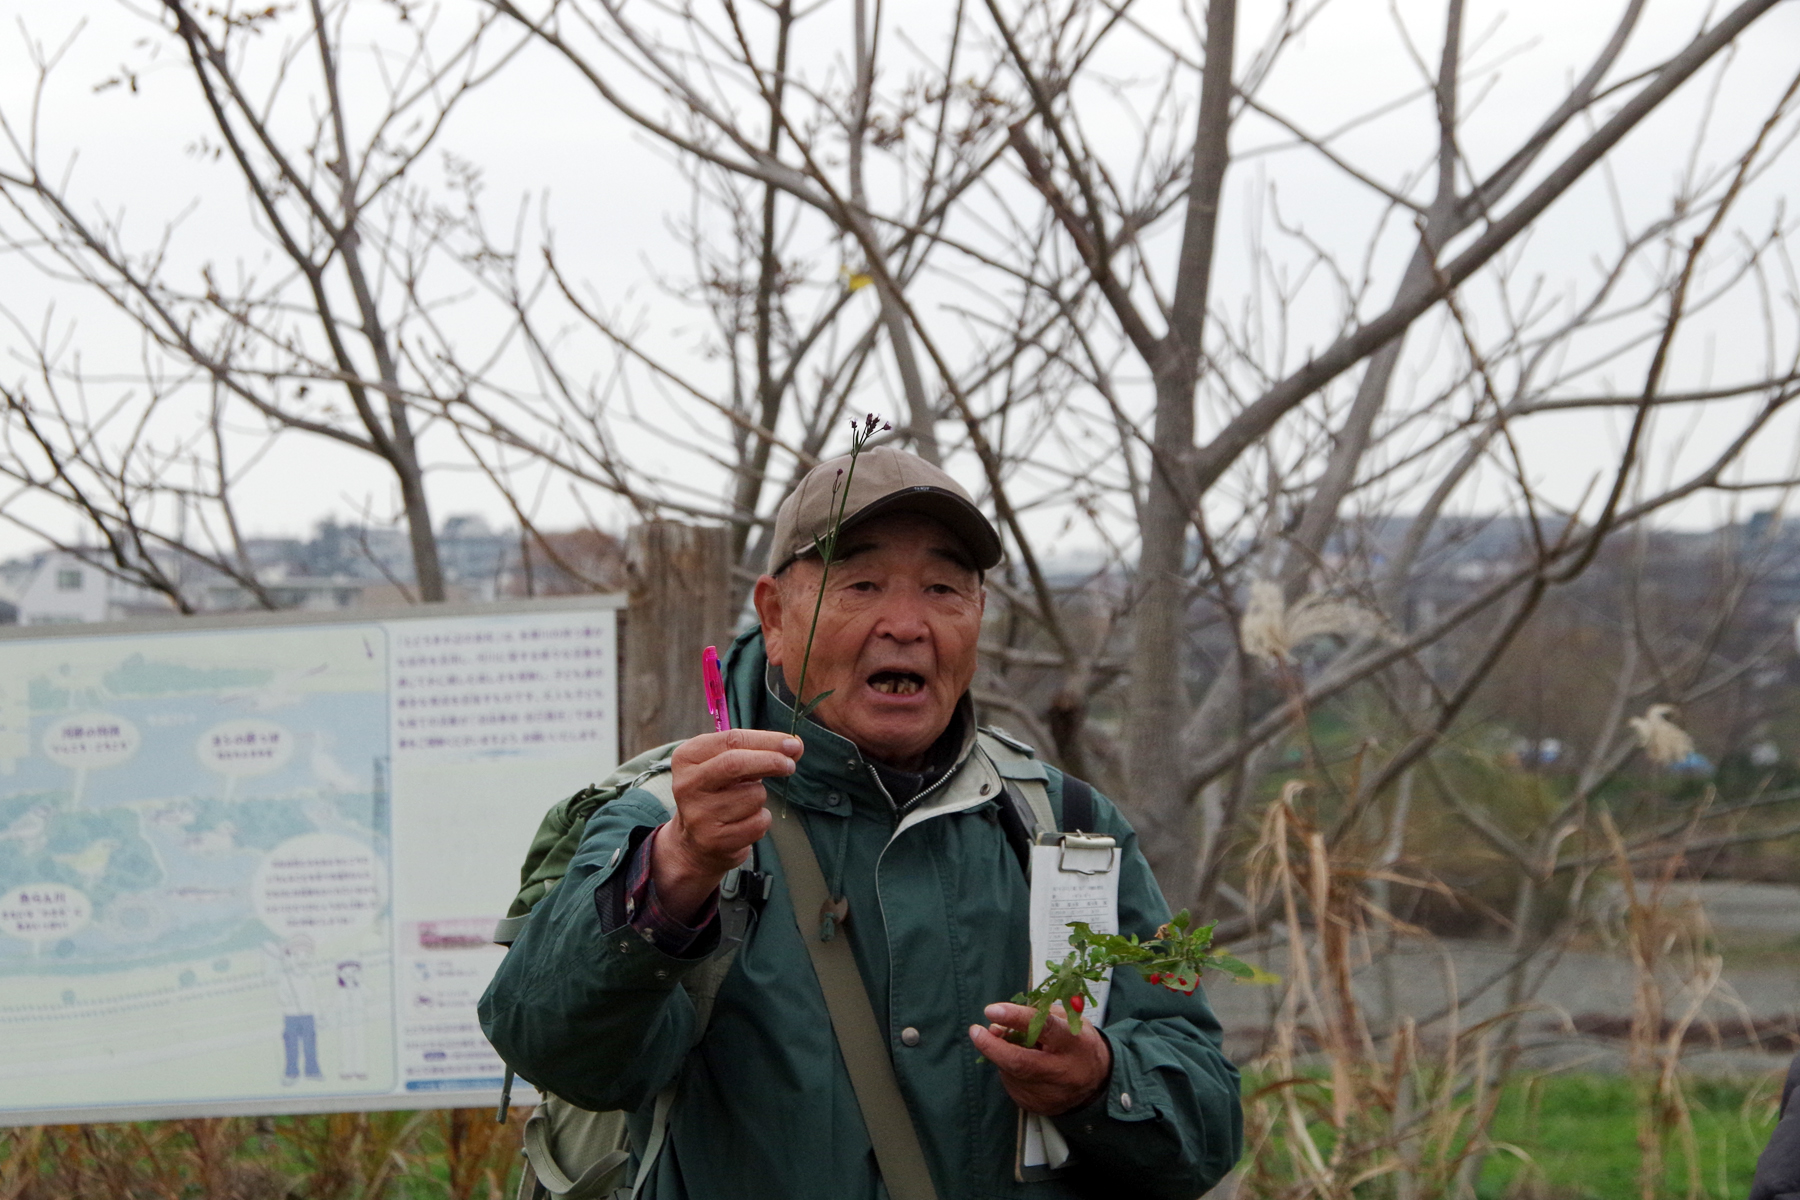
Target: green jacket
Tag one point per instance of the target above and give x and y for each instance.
(937, 919)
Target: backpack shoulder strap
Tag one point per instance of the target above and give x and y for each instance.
(1018, 764)
(659, 780)
(559, 834)
(1077, 804)
(1026, 778)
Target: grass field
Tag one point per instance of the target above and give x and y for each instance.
(1553, 1137)
(1577, 1140)
(1566, 1137)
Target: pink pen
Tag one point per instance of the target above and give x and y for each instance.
(715, 689)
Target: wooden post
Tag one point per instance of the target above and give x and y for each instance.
(679, 580)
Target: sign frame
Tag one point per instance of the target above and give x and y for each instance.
(614, 604)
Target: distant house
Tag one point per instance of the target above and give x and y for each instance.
(339, 567)
(61, 589)
(307, 593)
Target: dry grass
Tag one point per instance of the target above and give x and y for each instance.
(1665, 940)
(1344, 1105)
(454, 1154)
(1343, 1112)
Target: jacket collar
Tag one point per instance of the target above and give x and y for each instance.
(832, 763)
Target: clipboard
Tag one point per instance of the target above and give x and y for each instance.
(1074, 877)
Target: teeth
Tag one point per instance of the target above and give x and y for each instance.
(895, 685)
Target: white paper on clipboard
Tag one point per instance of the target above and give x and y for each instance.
(1075, 879)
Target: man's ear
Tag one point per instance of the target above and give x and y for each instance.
(766, 597)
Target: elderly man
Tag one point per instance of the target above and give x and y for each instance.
(889, 783)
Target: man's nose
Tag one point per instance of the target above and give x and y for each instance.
(902, 618)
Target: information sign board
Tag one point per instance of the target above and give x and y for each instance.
(252, 864)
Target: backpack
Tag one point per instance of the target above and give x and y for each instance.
(574, 1153)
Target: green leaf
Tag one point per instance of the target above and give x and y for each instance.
(807, 709)
(1259, 976)
(1232, 966)
(1037, 1026)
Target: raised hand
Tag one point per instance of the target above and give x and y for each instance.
(720, 811)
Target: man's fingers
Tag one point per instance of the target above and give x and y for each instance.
(1017, 1018)
(711, 745)
(1013, 1016)
(1010, 1058)
(1055, 1032)
(714, 765)
(730, 837)
(708, 745)
(1027, 1064)
(1055, 1037)
(737, 801)
(719, 795)
(764, 739)
(737, 766)
(730, 769)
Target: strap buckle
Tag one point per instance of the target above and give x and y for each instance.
(746, 882)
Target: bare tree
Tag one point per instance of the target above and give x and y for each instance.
(778, 204)
(1164, 773)
(324, 340)
(1057, 264)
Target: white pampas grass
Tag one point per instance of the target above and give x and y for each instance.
(1272, 631)
(1664, 742)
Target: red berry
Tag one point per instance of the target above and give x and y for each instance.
(1077, 1003)
(1155, 978)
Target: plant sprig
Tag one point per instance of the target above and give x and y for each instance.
(860, 433)
(1173, 958)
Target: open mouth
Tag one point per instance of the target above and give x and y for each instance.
(897, 683)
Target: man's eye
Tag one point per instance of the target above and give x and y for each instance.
(863, 585)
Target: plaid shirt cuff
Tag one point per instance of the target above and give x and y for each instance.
(646, 914)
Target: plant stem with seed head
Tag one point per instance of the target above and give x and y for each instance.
(827, 546)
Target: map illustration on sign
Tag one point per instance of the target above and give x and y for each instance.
(195, 849)
(255, 866)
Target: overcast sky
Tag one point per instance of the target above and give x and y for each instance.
(612, 199)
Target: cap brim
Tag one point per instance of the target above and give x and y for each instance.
(952, 511)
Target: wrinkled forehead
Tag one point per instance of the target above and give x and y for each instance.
(897, 536)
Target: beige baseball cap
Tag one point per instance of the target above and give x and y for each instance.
(886, 480)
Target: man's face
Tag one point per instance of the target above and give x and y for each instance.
(896, 639)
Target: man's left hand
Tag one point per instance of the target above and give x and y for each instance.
(1061, 1073)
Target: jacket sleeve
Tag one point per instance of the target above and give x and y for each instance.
(595, 1015)
(1169, 1123)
